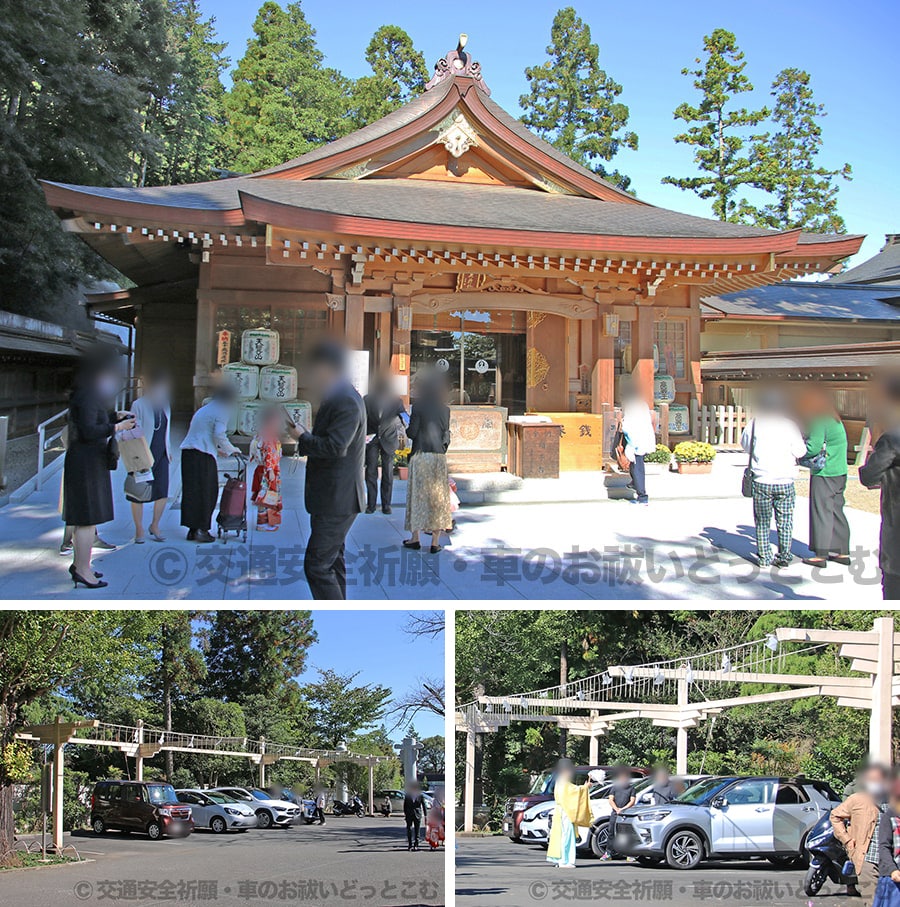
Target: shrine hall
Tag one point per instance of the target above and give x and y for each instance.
(445, 235)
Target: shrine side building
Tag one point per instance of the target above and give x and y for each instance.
(445, 234)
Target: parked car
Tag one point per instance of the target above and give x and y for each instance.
(542, 791)
(269, 812)
(146, 806)
(597, 837)
(728, 817)
(217, 811)
(307, 804)
(397, 797)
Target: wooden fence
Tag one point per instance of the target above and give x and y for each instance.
(719, 425)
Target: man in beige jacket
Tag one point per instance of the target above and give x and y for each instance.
(855, 824)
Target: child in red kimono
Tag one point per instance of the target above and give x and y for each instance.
(265, 451)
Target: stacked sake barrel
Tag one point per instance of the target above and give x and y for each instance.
(679, 416)
(261, 382)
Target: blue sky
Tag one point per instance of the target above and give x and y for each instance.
(849, 50)
(373, 643)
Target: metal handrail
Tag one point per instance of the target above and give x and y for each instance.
(44, 441)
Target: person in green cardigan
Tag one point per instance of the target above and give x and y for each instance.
(829, 530)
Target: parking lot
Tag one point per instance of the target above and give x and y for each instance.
(493, 871)
(346, 861)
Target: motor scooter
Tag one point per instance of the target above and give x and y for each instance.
(827, 859)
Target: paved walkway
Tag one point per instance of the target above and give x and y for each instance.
(546, 539)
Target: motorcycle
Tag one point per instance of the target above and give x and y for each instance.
(827, 859)
(352, 808)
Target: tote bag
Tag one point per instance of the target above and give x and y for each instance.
(887, 894)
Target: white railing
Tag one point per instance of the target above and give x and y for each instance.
(719, 425)
(45, 440)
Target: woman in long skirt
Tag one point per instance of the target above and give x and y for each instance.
(428, 489)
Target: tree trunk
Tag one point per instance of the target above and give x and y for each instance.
(167, 725)
(563, 680)
(7, 819)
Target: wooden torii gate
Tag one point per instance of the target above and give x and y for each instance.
(589, 707)
(141, 742)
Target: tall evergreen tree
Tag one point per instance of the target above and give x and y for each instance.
(398, 74)
(573, 103)
(785, 161)
(251, 653)
(74, 80)
(284, 100)
(340, 709)
(716, 126)
(187, 120)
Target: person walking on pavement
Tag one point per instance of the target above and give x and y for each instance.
(855, 823)
(383, 410)
(640, 438)
(335, 489)
(414, 812)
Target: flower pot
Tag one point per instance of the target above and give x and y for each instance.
(403, 472)
(693, 469)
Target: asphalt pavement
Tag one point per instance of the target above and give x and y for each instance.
(348, 861)
(493, 871)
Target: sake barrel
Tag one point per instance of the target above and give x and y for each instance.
(245, 379)
(300, 413)
(260, 346)
(679, 419)
(249, 416)
(663, 389)
(278, 383)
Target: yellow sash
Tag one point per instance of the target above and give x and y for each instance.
(574, 801)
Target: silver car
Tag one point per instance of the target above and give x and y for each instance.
(727, 818)
(217, 811)
(270, 812)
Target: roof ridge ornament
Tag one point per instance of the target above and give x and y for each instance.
(458, 63)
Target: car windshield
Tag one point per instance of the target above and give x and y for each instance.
(260, 794)
(162, 793)
(702, 790)
(543, 784)
(220, 798)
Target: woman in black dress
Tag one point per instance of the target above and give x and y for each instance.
(87, 484)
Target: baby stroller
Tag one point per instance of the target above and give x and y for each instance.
(232, 515)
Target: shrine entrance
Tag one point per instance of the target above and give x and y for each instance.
(483, 355)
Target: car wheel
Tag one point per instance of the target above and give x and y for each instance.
(815, 879)
(649, 861)
(218, 825)
(684, 850)
(600, 840)
(154, 831)
(264, 819)
(516, 840)
(99, 826)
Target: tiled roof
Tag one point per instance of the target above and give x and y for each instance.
(881, 268)
(804, 299)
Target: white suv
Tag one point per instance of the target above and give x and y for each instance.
(269, 812)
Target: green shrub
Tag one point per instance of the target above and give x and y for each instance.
(694, 452)
(662, 454)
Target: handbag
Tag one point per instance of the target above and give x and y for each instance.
(816, 462)
(622, 461)
(135, 450)
(887, 894)
(112, 454)
(747, 479)
(140, 492)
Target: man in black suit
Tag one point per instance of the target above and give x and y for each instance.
(383, 408)
(335, 451)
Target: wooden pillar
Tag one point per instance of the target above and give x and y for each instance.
(354, 321)
(371, 788)
(383, 327)
(401, 335)
(58, 798)
(603, 375)
(642, 346)
(881, 716)
(139, 756)
(205, 323)
(469, 789)
(681, 734)
(593, 749)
